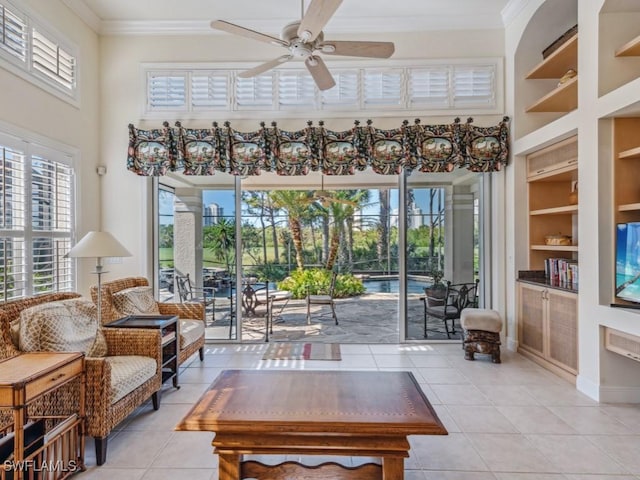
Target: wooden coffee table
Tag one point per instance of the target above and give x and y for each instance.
(334, 413)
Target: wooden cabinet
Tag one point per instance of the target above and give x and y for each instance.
(564, 97)
(552, 174)
(626, 186)
(548, 327)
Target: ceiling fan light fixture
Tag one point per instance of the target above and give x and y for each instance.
(305, 35)
(328, 48)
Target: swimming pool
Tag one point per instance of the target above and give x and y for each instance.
(392, 285)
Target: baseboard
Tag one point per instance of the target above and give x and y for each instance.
(620, 395)
(512, 344)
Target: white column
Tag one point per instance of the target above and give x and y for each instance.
(187, 233)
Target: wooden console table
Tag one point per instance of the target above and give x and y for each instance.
(23, 379)
(334, 413)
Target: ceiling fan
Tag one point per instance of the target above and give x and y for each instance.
(304, 40)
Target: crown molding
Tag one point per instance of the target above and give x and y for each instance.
(338, 25)
(87, 15)
(512, 9)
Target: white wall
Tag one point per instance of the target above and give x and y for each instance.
(28, 108)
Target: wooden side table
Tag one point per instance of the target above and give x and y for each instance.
(168, 325)
(26, 377)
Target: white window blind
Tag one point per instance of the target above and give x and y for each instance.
(12, 194)
(36, 220)
(345, 92)
(52, 61)
(474, 85)
(167, 91)
(255, 91)
(429, 87)
(13, 33)
(209, 90)
(382, 88)
(296, 89)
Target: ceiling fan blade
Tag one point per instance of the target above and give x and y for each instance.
(246, 32)
(358, 49)
(316, 17)
(255, 71)
(320, 73)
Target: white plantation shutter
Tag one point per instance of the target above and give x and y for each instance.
(345, 93)
(474, 85)
(429, 87)
(296, 89)
(12, 194)
(167, 91)
(255, 91)
(36, 220)
(210, 90)
(382, 88)
(13, 33)
(52, 61)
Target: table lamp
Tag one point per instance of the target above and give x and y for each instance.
(98, 245)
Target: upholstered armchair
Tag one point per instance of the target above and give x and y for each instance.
(127, 372)
(133, 295)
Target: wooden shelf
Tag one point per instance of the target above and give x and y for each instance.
(568, 209)
(630, 49)
(562, 99)
(632, 153)
(630, 207)
(556, 248)
(557, 64)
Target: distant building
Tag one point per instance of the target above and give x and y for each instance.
(416, 219)
(212, 214)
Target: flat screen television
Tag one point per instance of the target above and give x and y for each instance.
(628, 262)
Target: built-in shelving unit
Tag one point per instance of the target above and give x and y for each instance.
(627, 169)
(630, 49)
(552, 172)
(564, 98)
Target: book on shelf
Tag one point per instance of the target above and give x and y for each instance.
(562, 272)
(167, 337)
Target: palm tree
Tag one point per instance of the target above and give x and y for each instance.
(342, 206)
(220, 239)
(295, 203)
(383, 225)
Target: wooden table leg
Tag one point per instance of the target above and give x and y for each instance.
(228, 466)
(392, 468)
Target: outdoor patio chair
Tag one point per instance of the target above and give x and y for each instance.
(447, 303)
(323, 299)
(187, 293)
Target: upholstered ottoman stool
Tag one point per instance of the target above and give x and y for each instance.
(481, 332)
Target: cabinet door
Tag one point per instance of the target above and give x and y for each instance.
(531, 318)
(563, 329)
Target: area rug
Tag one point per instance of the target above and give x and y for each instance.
(303, 351)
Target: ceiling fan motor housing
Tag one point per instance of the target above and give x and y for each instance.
(298, 47)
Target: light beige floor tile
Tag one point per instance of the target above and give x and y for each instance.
(623, 448)
(445, 376)
(628, 414)
(198, 375)
(187, 393)
(175, 473)
(353, 349)
(106, 472)
(459, 476)
(507, 394)
(393, 361)
(575, 454)
(356, 362)
(581, 476)
(450, 452)
(187, 450)
(135, 449)
(212, 360)
(591, 420)
(165, 419)
(529, 476)
(560, 395)
(414, 475)
(431, 395)
(509, 453)
(460, 395)
(446, 419)
(480, 419)
(430, 361)
(535, 419)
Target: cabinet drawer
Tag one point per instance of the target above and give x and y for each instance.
(53, 379)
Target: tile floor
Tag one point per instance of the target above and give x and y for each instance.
(514, 421)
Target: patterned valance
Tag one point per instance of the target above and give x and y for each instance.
(426, 148)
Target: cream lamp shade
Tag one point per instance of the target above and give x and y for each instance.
(98, 245)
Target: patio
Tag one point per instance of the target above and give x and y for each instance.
(368, 318)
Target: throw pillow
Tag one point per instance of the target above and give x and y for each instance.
(65, 326)
(135, 301)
